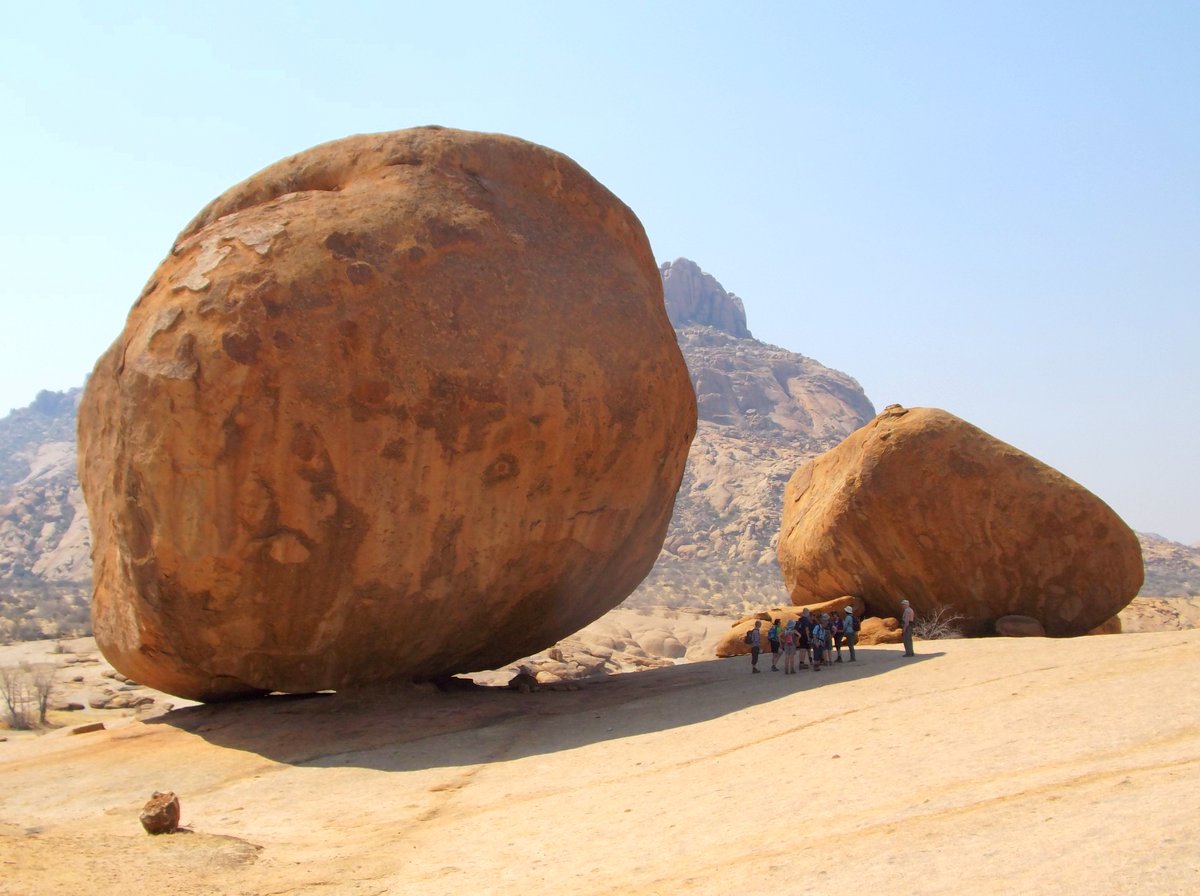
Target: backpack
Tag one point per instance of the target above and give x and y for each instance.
(748, 638)
(818, 634)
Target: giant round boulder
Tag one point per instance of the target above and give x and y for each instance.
(399, 406)
(922, 505)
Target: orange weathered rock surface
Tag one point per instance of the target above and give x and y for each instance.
(400, 405)
(920, 504)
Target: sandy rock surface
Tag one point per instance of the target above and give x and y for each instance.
(919, 504)
(638, 783)
(623, 640)
(399, 406)
(88, 690)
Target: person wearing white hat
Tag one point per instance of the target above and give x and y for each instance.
(907, 618)
(850, 631)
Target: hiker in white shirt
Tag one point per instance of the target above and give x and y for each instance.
(850, 631)
(907, 619)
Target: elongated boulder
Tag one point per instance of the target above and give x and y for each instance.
(399, 406)
(919, 504)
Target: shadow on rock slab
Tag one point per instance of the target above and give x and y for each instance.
(409, 728)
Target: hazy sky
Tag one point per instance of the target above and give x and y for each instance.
(993, 208)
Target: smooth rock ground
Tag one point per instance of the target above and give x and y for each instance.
(638, 784)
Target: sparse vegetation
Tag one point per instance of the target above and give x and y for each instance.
(42, 685)
(25, 689)
(33, 609)
(939, 625)
(16, 693)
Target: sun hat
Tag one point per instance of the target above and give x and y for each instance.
(848, 609)
(904, 601)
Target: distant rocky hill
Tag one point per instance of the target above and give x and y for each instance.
(763, 412)
(1172, 569)
(45, 567)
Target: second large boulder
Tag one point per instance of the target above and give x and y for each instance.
(920, 504)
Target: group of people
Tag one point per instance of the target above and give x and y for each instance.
(808, 642)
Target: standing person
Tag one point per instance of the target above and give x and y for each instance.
(804, 637)
(839, 634)
(907, 619)
(790, 637)
(850, 631)
(828, 628)
(816, 639)
(754, 639)
(773, 634)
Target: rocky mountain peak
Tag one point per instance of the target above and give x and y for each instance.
(694, 297)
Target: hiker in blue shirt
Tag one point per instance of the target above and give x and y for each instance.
(773, 635)
(817, 641)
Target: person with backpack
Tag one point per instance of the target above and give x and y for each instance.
(838, 635)
(850, 631)
(790, 639)
(754, 639)
(816, 639)
(804, 638)
(773, 634)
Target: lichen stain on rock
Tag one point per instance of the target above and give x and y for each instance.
(503, 467)
(210, 255)
(214, 248)
(242, 347)
(395, 449)
(342, 245)
(360, 273)
(370, 392)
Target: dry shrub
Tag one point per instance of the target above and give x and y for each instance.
(939, 625)
(17, 697)
(24, 690)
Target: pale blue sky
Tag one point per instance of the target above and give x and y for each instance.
(989, 207)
